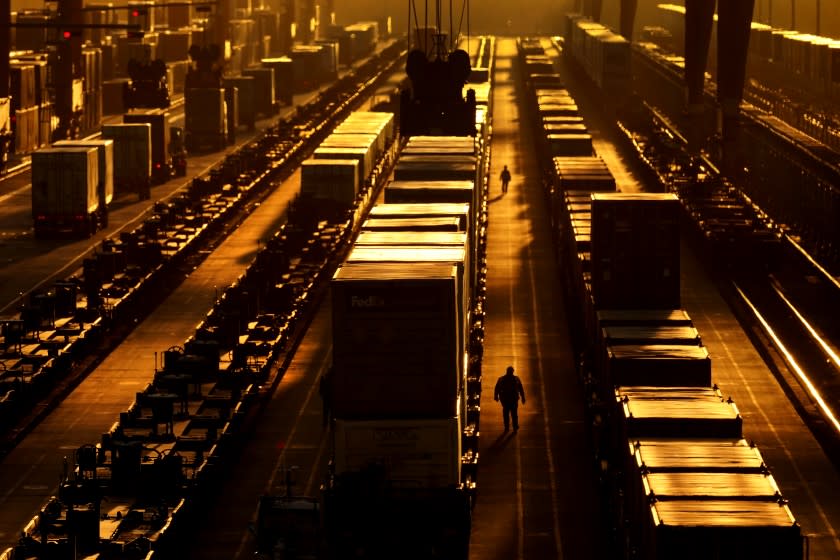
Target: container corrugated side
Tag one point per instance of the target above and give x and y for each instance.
(105, 149)
(397, 338)
(330, 179)
(422, 453)
(65, 181)
(132, 150)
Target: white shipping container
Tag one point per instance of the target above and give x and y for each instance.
(423, 453)
(132, 151)
(65, 182)
(330, 179)
(105, 150)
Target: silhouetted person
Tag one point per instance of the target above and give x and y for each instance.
(505, 177)
(508, 391)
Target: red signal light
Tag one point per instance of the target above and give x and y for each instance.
(67, 34)
(135, 13)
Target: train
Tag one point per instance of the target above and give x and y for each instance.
(678, 477)
(404, 385)
(161, 470)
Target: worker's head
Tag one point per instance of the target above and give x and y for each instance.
(509, 370)
(505, 166)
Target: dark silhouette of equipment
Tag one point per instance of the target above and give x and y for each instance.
(148, 87)
(206, 70)
(435, 104)
(205, 114)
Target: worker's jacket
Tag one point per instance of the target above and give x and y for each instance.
(509, 389)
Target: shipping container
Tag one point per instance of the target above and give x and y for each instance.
(695, 455)
(635, 250)
(66, 192)
(435, 168)
(644, 317)
(396, 344)
(616, 335)
(264, 94)
(245, 84)
(411, 256)
(113, 102)
(173, 45)
(684, 412)
(22, 85)
(26, 128)
(161, 159)
(412, 237)
(132, 157)
(283, 68)
(362, 155)
(662, 365)
(421, 453)
(451, 223)
(430, 191)
(336, 180)
(105, 161)
(589, 173)
(721, 529)
(205, 119)
(401, 211)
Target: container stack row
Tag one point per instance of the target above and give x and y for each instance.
(405, 382)
(552, 108)
(604, 54)
(339, 172)
(649, 382)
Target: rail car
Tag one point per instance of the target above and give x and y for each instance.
(405, 379)
(678, 478)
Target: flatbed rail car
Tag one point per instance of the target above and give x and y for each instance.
(156, 464)
(649, 375)
(61, 326)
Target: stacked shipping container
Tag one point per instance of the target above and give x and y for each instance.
(645, 360)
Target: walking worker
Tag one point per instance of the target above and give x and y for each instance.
(505, 177)
(508, 391)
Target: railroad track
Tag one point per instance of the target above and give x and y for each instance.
(786, 302)
(774, 154)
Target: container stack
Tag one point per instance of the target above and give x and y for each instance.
(25, 125)
(264, 94)
(93, 103)
(244, 85)
(132, 157)
(635, 250)
(66, 193)
(363, 137)
(682, 481)
(284, 81)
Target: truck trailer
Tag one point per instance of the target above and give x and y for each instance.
(66, 193)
